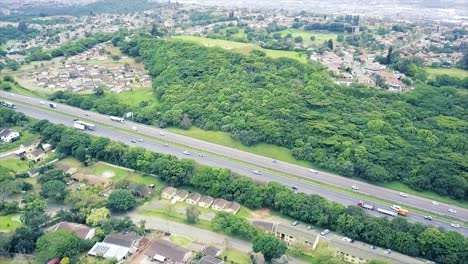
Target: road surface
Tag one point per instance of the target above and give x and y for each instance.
(215, 161)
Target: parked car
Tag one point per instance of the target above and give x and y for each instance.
(295, 223)
(201, 154)
(162, 134)
(166, 145)
(396, 207)
(402, 194)
(257, 172)
(347, 239)
(133, 141)
(355, 187)
(309, 227)
(134, 128)
(428, 217)
(294, 188)
(453, 211)
(325, 232)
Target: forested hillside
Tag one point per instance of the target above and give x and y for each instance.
(418, 138)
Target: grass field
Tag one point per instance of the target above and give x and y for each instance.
(222, 138)
(4, 260)
(182, 241)
(8, 224)
(135, 97)
(236, 256)
(454, 72)
(244, 48)
(15, 165)
(319, 37)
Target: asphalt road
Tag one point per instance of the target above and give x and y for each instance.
(215, 161)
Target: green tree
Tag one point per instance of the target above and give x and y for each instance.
(57, 244)
(192, 214)
(54, 189)
(269, 246)
(121, 200)
(330, 44)
(97, 216)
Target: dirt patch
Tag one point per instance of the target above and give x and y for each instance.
(261, 213)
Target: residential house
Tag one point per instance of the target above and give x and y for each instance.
(181, 195)
(232, 207)
(168, 193)
(196, 246)
(163, 251)
(8, 135)
(193, 198)
(210, 260)
(29, 147)
(139, 190)
(212, 251)
(206, 201)
(36, 155)
(82, 231)
(118, 246)
(219, 204)
(290, 235)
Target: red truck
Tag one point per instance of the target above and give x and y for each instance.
(365, 206)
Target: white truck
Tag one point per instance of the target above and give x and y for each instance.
(78, 125)
(117, 119)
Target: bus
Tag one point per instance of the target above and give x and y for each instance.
(8, 104)
(83, 125)
(117, 119)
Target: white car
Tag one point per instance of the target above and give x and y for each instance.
(186, 152)
(257, 172)
(325, 232)
(435, 203)
(141, 140)
(453, 211)
(396, 207)
(134, 128)
(347, 239)
(354, 187)
(402, 194)
(313, 171)
(41, 103)
(161, 134)
(455, 225)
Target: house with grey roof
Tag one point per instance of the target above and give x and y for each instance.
(219, 204)
(193, 198)
(212, 251)
(9, 135)
(232, 207)
(210, 260)
(82, 231)
(206, 201)
(116, 246)
(290, 235)
(181, 195)
(168, 193)
(163, 251)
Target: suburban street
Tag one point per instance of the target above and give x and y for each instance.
(149, 132)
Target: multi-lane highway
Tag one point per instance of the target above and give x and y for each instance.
(151, 140)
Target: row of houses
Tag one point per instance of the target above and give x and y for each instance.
(137, 249)
(195, 198)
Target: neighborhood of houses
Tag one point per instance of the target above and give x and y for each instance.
(218, 204)
(78, 73)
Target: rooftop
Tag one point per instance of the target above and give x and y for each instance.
(166, 249)
(80, 230)
(121, 239)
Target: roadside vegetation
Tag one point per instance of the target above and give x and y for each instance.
(352, 221)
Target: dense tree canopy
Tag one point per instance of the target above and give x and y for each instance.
(354, 131)
(57, 244)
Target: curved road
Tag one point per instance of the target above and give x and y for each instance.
(149, 131)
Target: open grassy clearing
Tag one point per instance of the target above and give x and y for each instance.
(14, 165)
(182, 241)
(454, 72)
(244, 48)
(225, 139)
(9, 223)
(136, 96)
(164, 213)
(236, 256)
(319, 37)
(5, 260)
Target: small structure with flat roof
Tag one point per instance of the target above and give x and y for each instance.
(210, 260)
(266, 226)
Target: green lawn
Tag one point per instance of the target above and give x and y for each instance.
(244, 48)
(7, 224)
(182, 241)
(135, 97)
(14, 165)
(25, 136)
(119, 173)
(163, 213)
(319, 37)
(455, 72)
(236, 256)
(429, 195)
(222, 138)
(4, 260)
